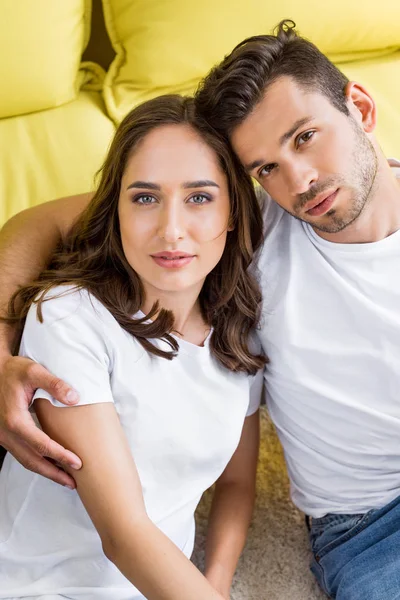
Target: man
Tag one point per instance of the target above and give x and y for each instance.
(331, 323)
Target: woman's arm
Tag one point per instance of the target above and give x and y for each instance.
(109, 487)
(26, 244)
(232, 508)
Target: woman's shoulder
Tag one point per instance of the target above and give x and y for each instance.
(74, 313)
(67, 301)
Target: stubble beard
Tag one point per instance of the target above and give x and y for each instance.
(362, 187)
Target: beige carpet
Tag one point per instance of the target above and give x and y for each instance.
(275, 562)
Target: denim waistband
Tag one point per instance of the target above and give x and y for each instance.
(330, 519)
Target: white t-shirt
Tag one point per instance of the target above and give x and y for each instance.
(331, 328)
(182, 419)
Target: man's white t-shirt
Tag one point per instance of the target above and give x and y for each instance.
(331, 328)
(182, 419)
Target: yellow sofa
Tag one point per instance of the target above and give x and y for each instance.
(71, 70)
(58, 112)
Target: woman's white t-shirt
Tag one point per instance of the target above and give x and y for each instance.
(182, 419)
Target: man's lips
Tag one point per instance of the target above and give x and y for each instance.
(172, 260)
(321, 204)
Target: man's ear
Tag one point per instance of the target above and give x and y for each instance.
(361, 105)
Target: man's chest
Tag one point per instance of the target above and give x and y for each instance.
(331, 324)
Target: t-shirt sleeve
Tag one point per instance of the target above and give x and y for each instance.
(271, 211)
(395, 164)
(71, 343)
(256, 391)
(256, 382)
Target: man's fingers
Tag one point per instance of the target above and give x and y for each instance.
(35, 438)
(36, 463)
(47, 447)
(39, 377)
(20, 377)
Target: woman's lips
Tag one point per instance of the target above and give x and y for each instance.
(172, 261)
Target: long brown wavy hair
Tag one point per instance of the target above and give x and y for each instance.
(92, 257)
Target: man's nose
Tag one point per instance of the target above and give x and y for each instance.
(300, 176)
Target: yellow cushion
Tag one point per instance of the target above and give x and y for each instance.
(381, 77)
(168, 45)
(41, 44)
(52, 153)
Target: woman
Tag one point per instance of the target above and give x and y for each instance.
(147, 312)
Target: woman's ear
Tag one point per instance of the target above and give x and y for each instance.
(231, 225)
(361, 105)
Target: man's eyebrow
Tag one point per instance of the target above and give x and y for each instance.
(199, 184)
(144, 185)
(284, 138)
(254, 165)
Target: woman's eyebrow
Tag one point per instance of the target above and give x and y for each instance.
(147, 185)
(144, 185)
(200, 183)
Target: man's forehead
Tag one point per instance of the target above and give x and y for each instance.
(284, 107)
(283, 102)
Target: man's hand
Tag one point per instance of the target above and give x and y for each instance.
(19, 378)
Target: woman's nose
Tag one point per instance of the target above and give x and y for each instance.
(171, 224)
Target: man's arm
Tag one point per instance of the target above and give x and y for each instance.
(27, 241)
(26, 244)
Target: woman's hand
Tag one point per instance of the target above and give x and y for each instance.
(19, 378)
(219, 583)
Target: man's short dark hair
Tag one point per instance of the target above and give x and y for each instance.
(234, 87)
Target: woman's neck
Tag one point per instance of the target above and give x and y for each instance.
(189, 322)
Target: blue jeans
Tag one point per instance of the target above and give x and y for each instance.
(357, 557)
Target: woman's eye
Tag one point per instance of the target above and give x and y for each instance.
(304, 137)
(199, 199)
(144, 199)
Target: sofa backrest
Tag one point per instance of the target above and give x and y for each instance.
(41, 44)
(166, 46)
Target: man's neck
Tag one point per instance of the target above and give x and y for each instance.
(380, 217)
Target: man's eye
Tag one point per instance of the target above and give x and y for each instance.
(199, 199)
(304, 137)
(265, 171)
(144, 199)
